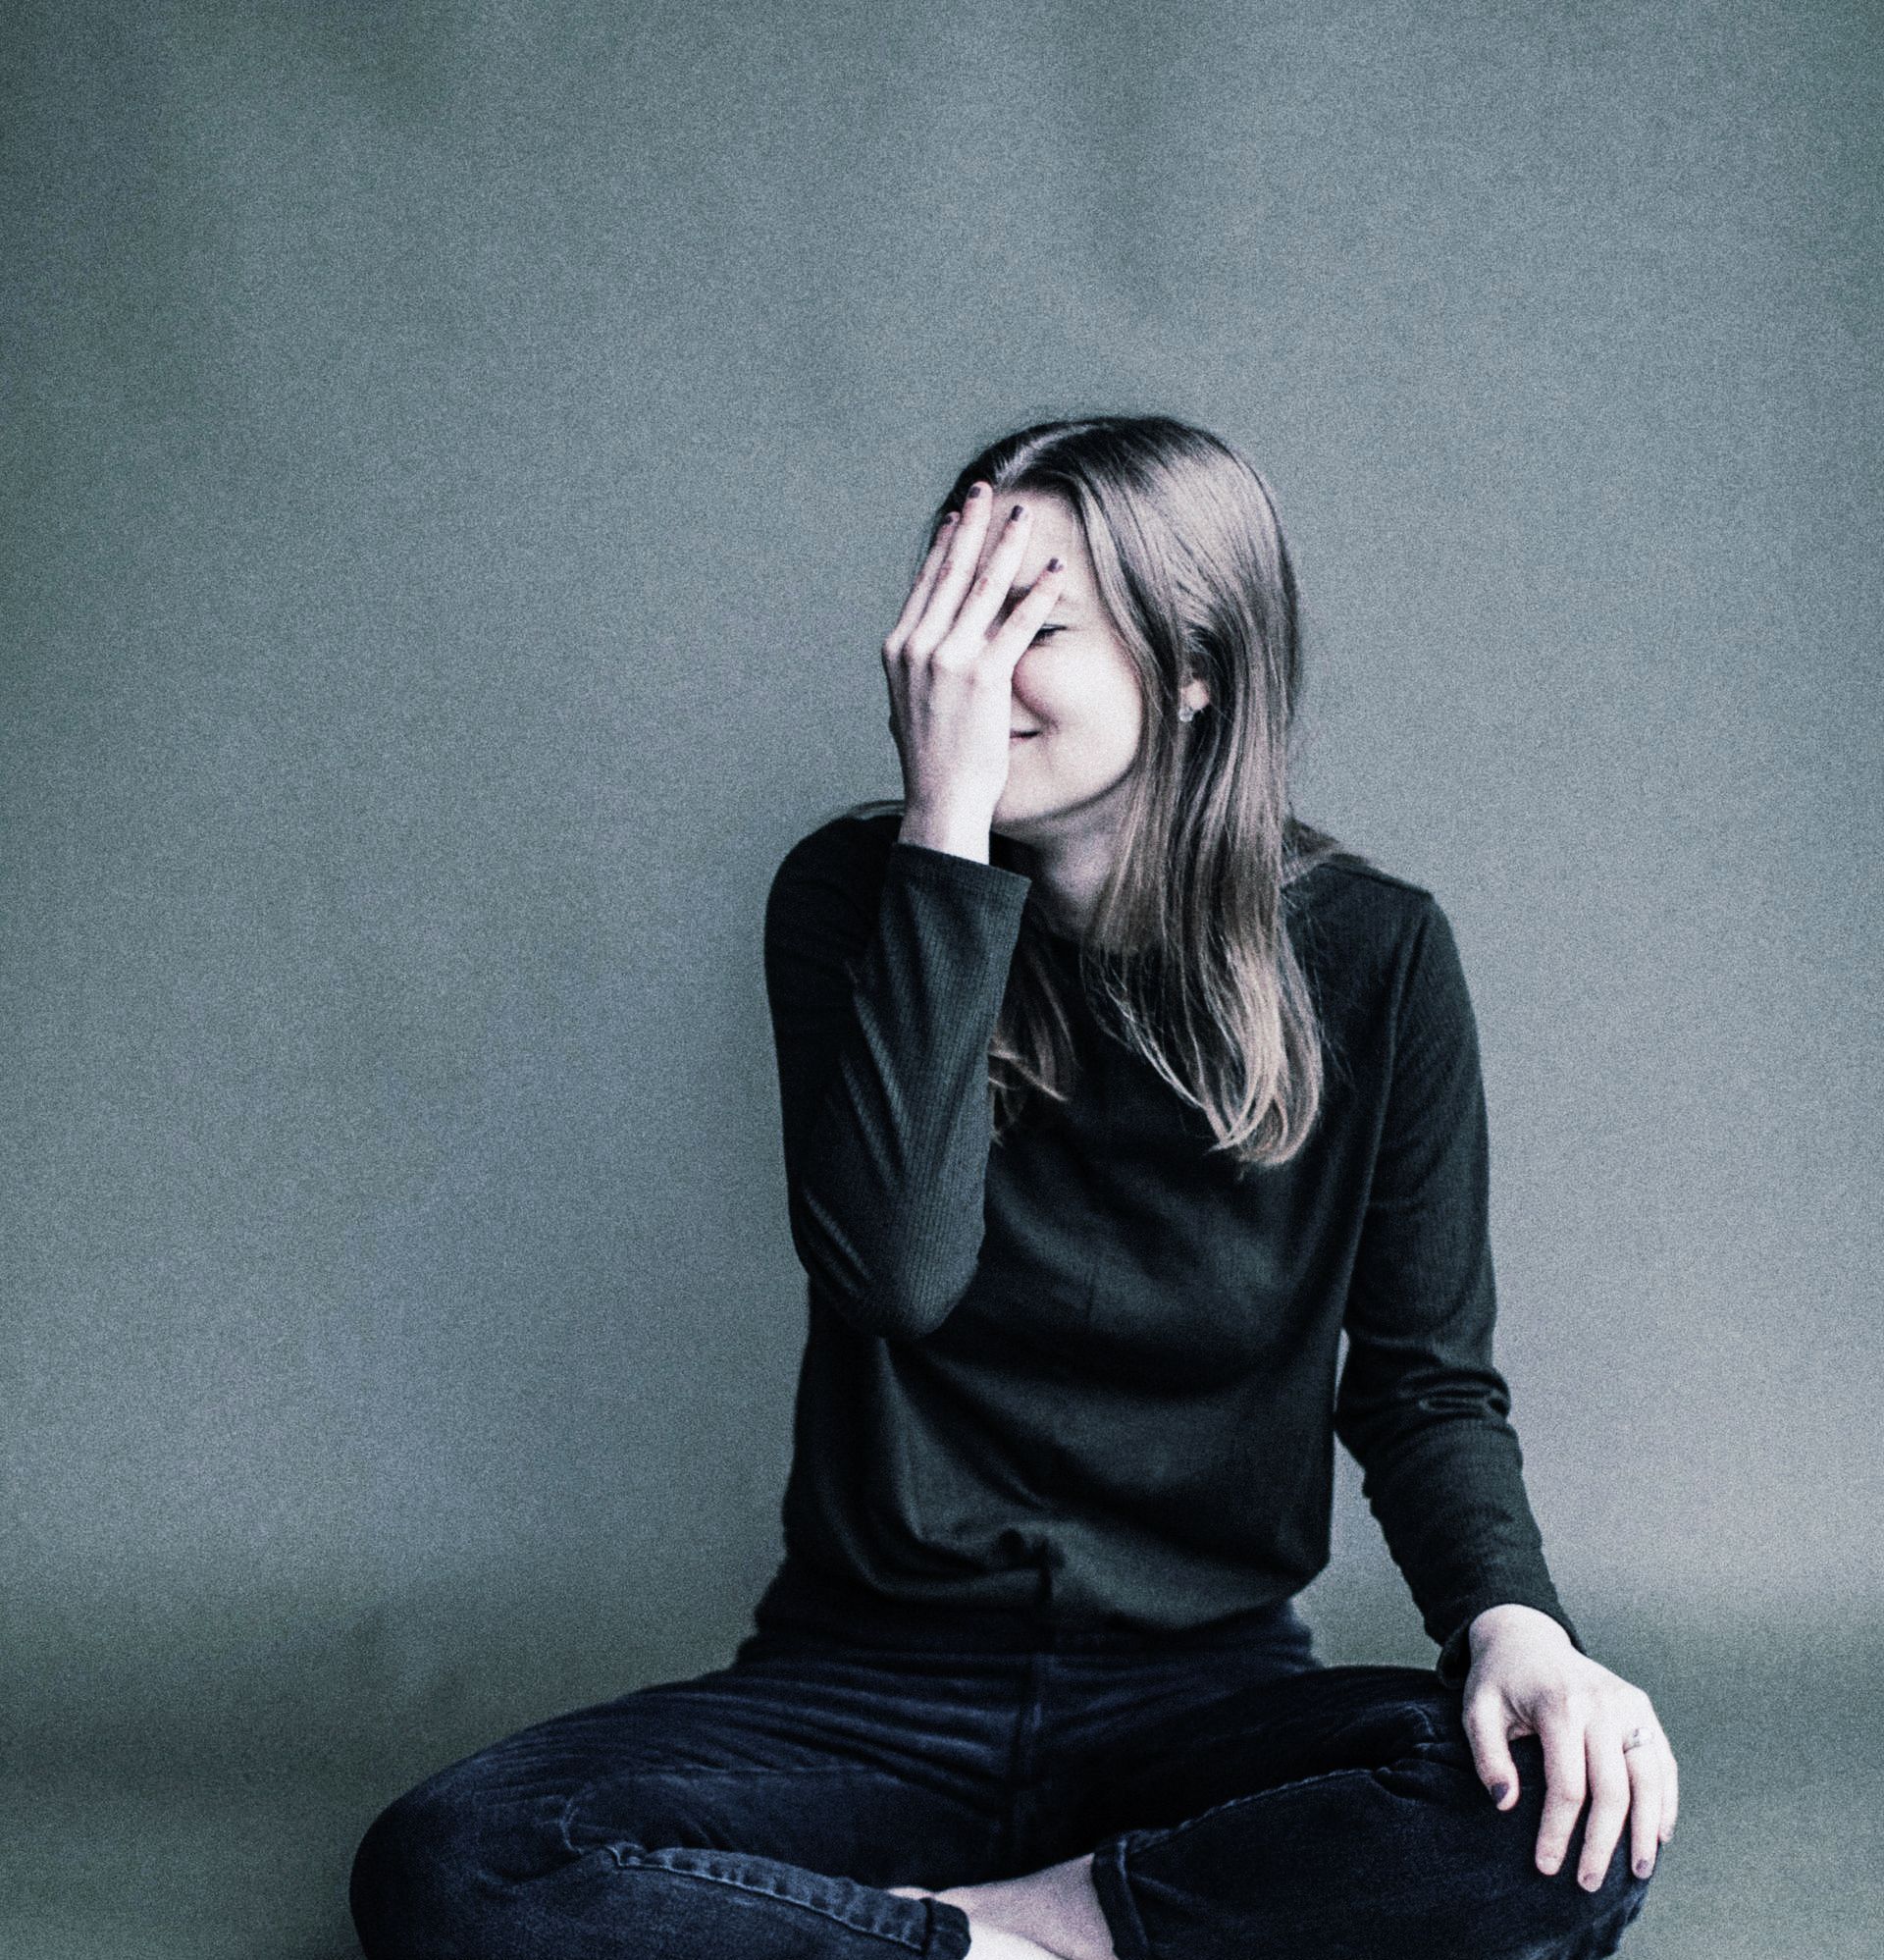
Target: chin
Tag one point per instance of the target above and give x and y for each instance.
(1021, 821)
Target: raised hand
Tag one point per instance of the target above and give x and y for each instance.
(949, 663)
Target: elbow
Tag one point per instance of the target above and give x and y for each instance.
(898, 1291)
(900, 1309)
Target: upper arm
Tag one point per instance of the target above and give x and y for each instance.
(1423, 1270)
(821, 911)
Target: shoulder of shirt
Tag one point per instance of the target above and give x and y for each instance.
(855, 843)
(853, 837)
(1358, 928)
(1347, 886)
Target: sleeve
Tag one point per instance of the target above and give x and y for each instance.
(1419, 1404)
(883, 1001)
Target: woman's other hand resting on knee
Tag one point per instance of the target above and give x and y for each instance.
(1602, 1740)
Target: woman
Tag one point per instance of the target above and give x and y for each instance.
(1112, 1094)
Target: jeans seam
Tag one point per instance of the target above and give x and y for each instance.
(576, 1797)
(652, 1861)
(1144, 1840)
(1112, 1887)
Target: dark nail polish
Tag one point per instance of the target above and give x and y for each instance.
(1500, 1791)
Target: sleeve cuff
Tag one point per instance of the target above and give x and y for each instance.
(923, 861)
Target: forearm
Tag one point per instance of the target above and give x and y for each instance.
(1448, 1494)
(888, 1121)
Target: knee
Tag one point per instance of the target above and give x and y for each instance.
(415, 1876)
(1578, 1922)
(1587, 1925)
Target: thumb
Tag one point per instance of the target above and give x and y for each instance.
(1484, 1726)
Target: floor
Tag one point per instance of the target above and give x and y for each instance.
(1777, 1853)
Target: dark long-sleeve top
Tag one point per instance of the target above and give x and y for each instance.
(1085, 1370)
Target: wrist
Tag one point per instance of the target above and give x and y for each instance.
(962, 836)
(1496, 1620)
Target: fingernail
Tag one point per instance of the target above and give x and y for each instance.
(1500, 1791)
(979, 490)
(1644, 1866)
(1015, 512)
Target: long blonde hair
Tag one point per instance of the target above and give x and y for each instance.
(1187, 945)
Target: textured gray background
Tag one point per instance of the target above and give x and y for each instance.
(459, 463)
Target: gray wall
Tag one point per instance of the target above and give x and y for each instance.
(459, 464)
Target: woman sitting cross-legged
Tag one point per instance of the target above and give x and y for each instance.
(1113, 1094)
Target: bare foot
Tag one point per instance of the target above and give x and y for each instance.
(1053, 1912)
(985, 1943)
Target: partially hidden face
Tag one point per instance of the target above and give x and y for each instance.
(1077, 714)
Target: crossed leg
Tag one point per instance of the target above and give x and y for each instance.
(1334, 1811)
(767, 1811)
(757, 1811)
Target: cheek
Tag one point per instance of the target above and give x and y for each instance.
(1086, 706)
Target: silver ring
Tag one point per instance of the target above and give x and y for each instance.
(1638, 1738)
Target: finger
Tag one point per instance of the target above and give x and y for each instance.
(1610, 1785)
(1484, 1719)
(1564, 1787)
(989, 591)
(1649, 1777)
(959, 562)
(1020, 626)
(931, 570)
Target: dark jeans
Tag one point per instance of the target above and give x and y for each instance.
(1241, 1798)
